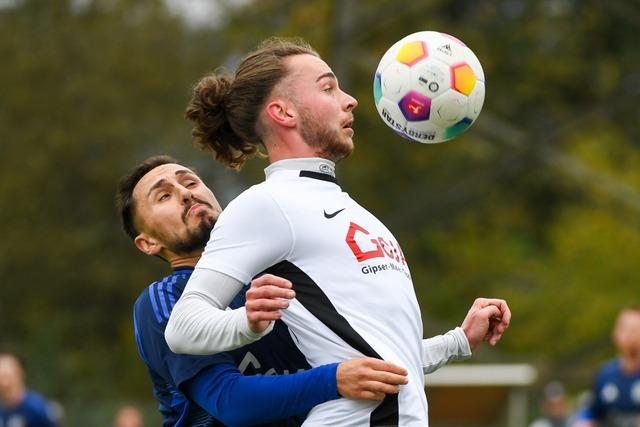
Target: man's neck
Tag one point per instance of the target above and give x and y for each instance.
(630, 365)
(287, 144)
(185, 260)
(14, 397)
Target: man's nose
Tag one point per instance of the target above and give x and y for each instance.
(185, 194)
(351, 102)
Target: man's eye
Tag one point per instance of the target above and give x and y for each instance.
(191, 184)
(163, 197)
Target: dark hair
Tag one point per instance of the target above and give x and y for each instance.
(125, 203)
(226, 109)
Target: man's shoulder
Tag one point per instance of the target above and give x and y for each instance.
(160, 296)
(609, 369)
(33, 398)
(37, 403)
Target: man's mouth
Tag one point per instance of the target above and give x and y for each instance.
(193, 209)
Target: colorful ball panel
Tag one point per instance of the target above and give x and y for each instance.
(463, 78)
(415, 106)
(411, 52)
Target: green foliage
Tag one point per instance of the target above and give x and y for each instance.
(537, 203)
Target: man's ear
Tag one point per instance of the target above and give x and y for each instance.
(147, 244)
(282, 112)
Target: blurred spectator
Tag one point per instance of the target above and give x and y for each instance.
(19, 406)
(555, 407)
(615, 398)
(128, 416)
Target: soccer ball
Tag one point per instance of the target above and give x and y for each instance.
(429, 87)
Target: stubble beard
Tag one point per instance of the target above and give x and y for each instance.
(196, 238)
(327, 141)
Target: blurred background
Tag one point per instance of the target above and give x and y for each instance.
(538, 203)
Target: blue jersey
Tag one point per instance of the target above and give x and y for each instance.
(180, 381)
(616, 398)
(33, 411)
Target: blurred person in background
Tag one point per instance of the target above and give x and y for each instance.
(19, 406)
(555, 407)
(615, 396)
(128, 416)
(169, 212)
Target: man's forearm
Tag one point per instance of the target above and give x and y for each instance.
(199, 323)
(242, 400)
(439, 350)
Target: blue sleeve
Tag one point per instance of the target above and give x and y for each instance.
(238, 400)
(149, 325)
(595, 407)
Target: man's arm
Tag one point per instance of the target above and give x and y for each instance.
(486, 320)
(199, 323)
(235, 399)
(439, 350)
(250, 235)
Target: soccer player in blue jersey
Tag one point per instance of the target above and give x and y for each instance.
(616, 392)
(168, 212)
(19, 406)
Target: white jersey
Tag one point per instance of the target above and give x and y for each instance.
(354, 294)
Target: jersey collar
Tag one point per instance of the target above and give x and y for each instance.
(313, 167)
(180, 269)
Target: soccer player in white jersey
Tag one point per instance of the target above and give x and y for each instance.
(354, 293)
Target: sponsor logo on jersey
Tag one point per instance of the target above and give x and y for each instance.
(250, 365)
(382, 253)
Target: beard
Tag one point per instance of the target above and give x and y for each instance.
(196, 238)
(327, 141)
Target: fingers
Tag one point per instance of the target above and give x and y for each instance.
(380, 388)
(269, 293)
(369, 395)
(270, 286)
(369, 378)
(384, 366)
(496, 324)
(266, 299)
(505, 312)
(270, 279)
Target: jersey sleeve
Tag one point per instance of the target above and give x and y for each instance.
(149, 325)
(441, 349)
(595, 406)
(251, 235)
(246, 400)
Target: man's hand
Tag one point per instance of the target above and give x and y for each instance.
(487, 320)
(266, 299)
(369, 378)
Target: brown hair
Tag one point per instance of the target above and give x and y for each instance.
(125, 202)
(226, 109)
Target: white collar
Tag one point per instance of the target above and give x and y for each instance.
(315, 164)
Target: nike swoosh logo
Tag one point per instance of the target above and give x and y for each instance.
(331, 215)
